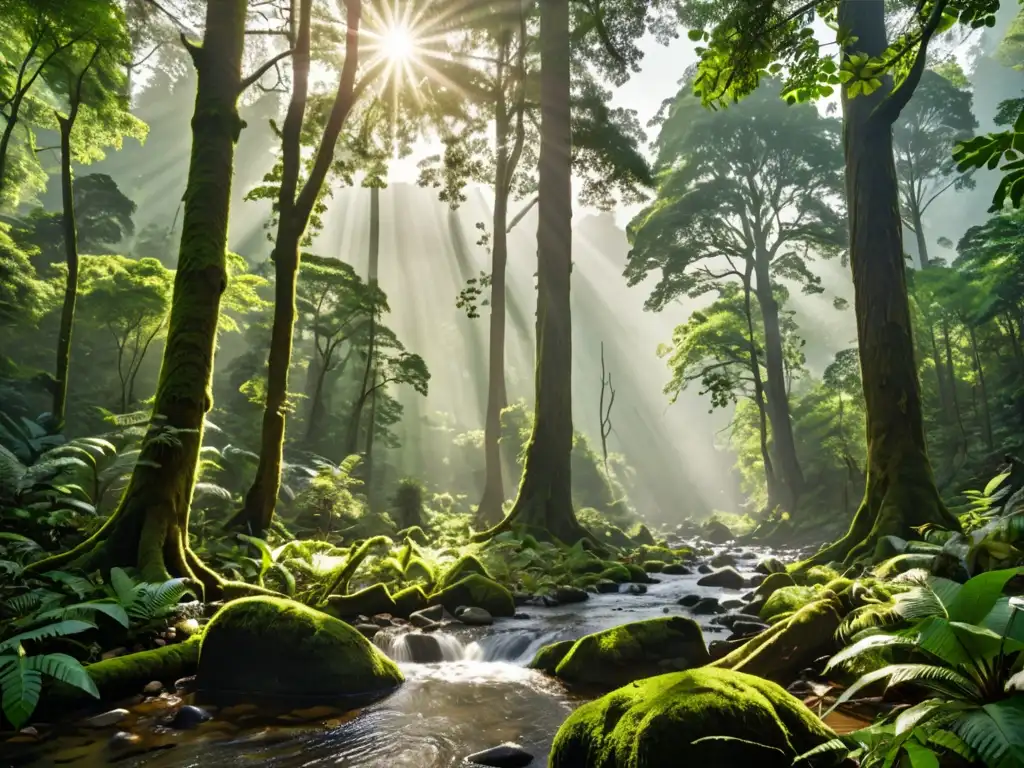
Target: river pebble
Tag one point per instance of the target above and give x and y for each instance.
(502, 756)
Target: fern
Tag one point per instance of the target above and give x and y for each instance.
(21, 681)
(57, 629)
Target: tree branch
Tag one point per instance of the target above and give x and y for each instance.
(263, 69)
(889, 110)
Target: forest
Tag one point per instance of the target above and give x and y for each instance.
(580, 383)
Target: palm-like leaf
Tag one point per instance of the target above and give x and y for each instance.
(21, 686)
(995, 732)
(64, 668)
(868, 643)
(84, 610)
(942, 680)
(57, 629)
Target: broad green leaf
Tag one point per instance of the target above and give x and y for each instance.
(58, 629)
(979, 595)
(21, 686)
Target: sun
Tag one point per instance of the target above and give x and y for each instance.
(397, 43)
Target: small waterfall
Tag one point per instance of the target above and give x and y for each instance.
(419, 647)
(518, 647)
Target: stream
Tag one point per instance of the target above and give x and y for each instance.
(482, 695)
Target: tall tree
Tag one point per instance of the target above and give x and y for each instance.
(877, 81)
(149, 529)
(747, 194)
(938, 116)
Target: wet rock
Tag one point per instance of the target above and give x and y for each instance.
(29, 731)
(567, 595)
(746, 555)
(153, 688)
(474, 617)
(753, 608)
(755, 580)
(706, 606)
(543, 601)
(663, 722)
(770, 565)
(727, 577)
(479, 591)
(423, 649)
(185, 684)
(800, 688)
(369, 631)
(382, 619)
(427, 616)
(113, 654)
(746, 628)
(632, 589)
(716, 532)
(719, 649)
(722, 560)
(521, 615)
(676, 569)
(503, 756)
(772, 584)
(522, 598)
(549, 657)
(633, 651)
(189, 716)
(732, 605)
(124, 739)
(106, 719)
(704, 568)
(688, 601)
(159, 642)
(606, 587)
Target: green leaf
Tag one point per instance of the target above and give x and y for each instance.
(64, 668)
(996, 733)
(113, 610)
(124, 586)
(21, 686)
(920, 756)
(996, 481)
(979, 595)
(695, 34)
(58, 629)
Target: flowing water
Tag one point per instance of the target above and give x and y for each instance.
(482, 695)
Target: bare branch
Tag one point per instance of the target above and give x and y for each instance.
(263, 69)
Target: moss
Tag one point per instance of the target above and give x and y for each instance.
(818, 574)
(789, 646)
(410, 600)
(632, 651)
(586, 580)
(549, 657)
(418, 568)
(641, 534)
(415, 533)
(653, 566)
(616, 572)
(664, 554)
(528, 542)
(772, 584)
(660, 723)
(127, 675)
(462, 568)
(637, 574)
(675, 569)
(587, 565)
(894, 566)
(366, 602)
(787, 599)
(477, 591)
(260, 646)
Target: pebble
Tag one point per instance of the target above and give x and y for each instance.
(106, 719)
(159, 642)
(28, 731)
(189, 716)
(124, 739)
(502, 756)
(475, 617)
(153, 688)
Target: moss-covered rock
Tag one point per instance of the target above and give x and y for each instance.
(728, 578)
(550, 656)
(716, 532)
(637, 574)
(667, 721)
(770, 565)
(632, 651)
(662, 554)
(616, 572)
(787, 599)
(460, 569)
(772, 584)
(415, 533)
(894, 566)
(264, 646)
(779, 653)
(409, 600)
(587, 565)
(366, 602)
(653, 566)
(476, 591)
(641, 534)
(818, 574)
(676, 569)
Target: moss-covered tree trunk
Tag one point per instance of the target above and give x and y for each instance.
(367, 389)
(544, 502)
(900, 492)
(294, 210)
(775, 387)
(149, 529)
(372, 269)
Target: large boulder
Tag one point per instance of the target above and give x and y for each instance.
(670, 720)
(716, 532)
(271, 647)
(550, 656)
(728, 578)
(633, 651)
(772, 584)
(476, 591)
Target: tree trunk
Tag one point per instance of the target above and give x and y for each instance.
(294, 211)
(770, 481)
(67, 191)
(986, 418)
(544, 503)
(922, 246)
(775, 386)
(940, 377)
(149, 529)
(900, 492)
(372, 270)
(356, 419)
(954, 396)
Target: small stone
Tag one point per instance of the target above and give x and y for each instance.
(159, 642)
(632, 589)
(520, 615)
(707, 605)
(183, 684)
(727, 577)
(428, 616)
(153, 687)
(722, 560)
(189, 716)
(28, 731)
(731, 605)
(475, 617)
(368, 630)
(607, 586)
(704, 568)
(382, 619)
(689, 601)
(106, 719)
(676, 569)
(424, 649)
(123, 739)
(568, 595)
(113, 654)
(502, 756)
(748, 628)
(756, 580)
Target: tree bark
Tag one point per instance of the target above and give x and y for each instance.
(986, 418)
(771, 484)
(149, 529)
(356, 419)
(900, 492)
(372, 269)
(775, 386)
(544, 502)
(294, 210)
(922, 245)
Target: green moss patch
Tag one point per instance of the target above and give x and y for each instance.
(463, 567)
(670, 720)
(479, 592)
(410, 600)
(549, 657)
(787, 599)
(772, 584)
(366, 602)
